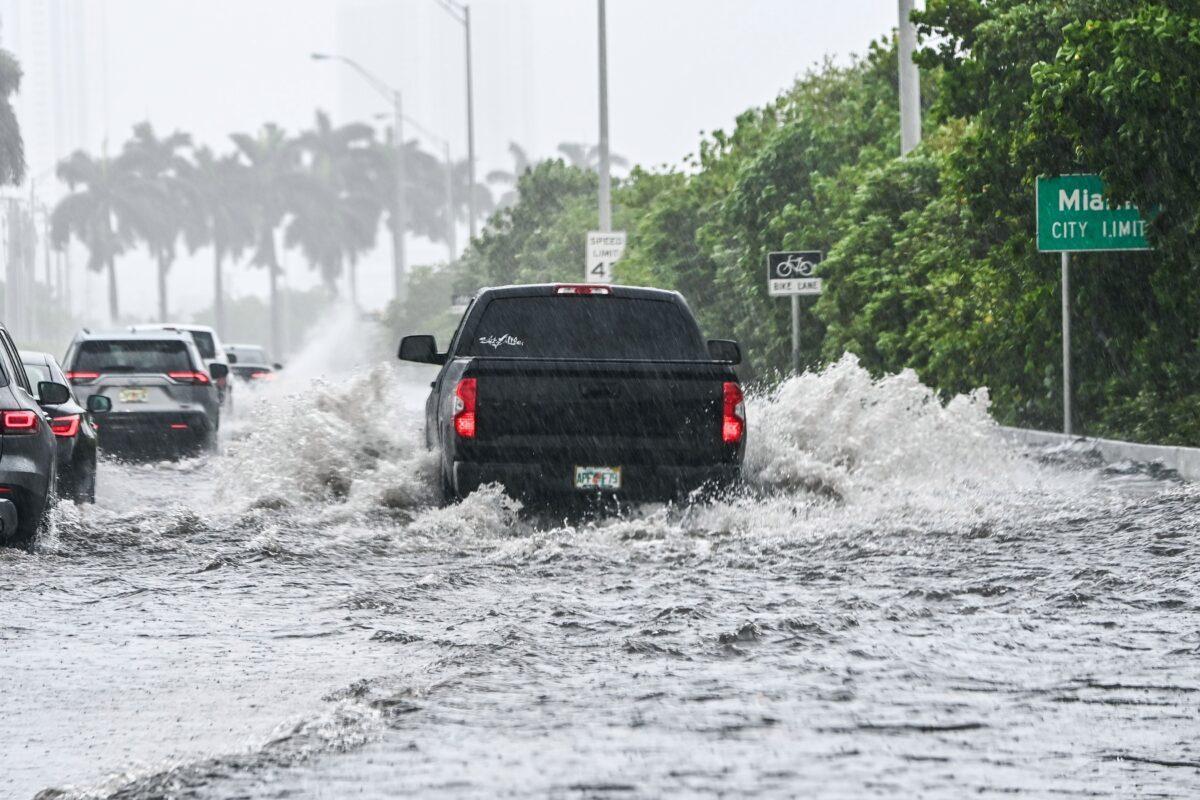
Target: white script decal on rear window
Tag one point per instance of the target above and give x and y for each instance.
(496, 341)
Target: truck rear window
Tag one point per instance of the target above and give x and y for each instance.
(150, 356)
(593, 328)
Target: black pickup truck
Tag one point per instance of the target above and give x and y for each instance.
(560, 390)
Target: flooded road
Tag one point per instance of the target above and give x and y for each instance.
(898, 605)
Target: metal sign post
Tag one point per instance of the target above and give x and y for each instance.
(1074, 215)
(1066, 341)
(790, 274)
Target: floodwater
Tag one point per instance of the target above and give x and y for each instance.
(898, 605)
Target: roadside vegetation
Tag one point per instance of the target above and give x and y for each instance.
(932, 262)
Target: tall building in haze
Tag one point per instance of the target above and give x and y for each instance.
(52, 41)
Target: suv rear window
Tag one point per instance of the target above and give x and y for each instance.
(140, 356)
(594, 328)
(205, 344)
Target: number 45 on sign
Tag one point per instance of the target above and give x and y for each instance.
(603, 251)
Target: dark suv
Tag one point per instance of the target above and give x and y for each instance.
(162, 394)
(27, 448)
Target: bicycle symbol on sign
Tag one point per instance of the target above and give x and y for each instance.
(797, 265)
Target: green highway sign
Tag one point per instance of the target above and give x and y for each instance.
(1073, 215)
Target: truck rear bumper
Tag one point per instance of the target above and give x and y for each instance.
(645, 482)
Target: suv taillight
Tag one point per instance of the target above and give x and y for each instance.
(82, 377)
(65, 427)
(198, 378)
(733, 416)
(18, 422)
(464, 408)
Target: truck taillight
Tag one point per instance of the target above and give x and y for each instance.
(82, 377)
(65, 427)
(189, 376)
(18, 422)
(733, 417)
(464, 408)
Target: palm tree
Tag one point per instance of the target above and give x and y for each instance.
(336, 214)
(225, 220)
(521, 165)
(167, 200)
(103, 194)
(12, 148)
(273, 162)
(587, 157)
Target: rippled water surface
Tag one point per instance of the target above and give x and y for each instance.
(898, 605)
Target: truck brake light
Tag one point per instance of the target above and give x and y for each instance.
(581, 289)
(733, 417)
(464, 408)
(18, 422)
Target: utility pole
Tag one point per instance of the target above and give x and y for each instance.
(910, 81)
(605, 180)
(471, 211)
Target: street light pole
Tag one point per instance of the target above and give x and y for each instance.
(605, 180)
(461, 12)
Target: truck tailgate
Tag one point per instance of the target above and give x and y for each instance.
(631, 411)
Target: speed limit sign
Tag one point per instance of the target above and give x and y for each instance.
(604, 249)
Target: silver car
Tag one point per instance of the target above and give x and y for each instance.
(163, 393)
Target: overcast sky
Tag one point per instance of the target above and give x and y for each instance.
(677, 67)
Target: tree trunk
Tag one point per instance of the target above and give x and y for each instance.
(163, 266)
(218, 291)
(114, 309)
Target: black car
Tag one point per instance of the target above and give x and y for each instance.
(559, 391)
(74, 430)
(251, 363)
(28, 451)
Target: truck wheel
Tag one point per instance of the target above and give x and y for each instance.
(448, 495)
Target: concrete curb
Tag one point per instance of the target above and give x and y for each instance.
(1184, 460)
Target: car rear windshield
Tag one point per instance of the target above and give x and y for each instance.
(594, 328)
(249, 355)
(205, 344)
(143, 356)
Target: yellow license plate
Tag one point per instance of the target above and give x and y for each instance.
(598, 478)
(134, 395)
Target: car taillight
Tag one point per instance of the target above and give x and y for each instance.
(66, 427)
(464, 408)
(581, 289)
(82, 377)
(262, 375)
(18, 422)
(733, 417)
(189, 376)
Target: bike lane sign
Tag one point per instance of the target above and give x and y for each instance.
(791, 273)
